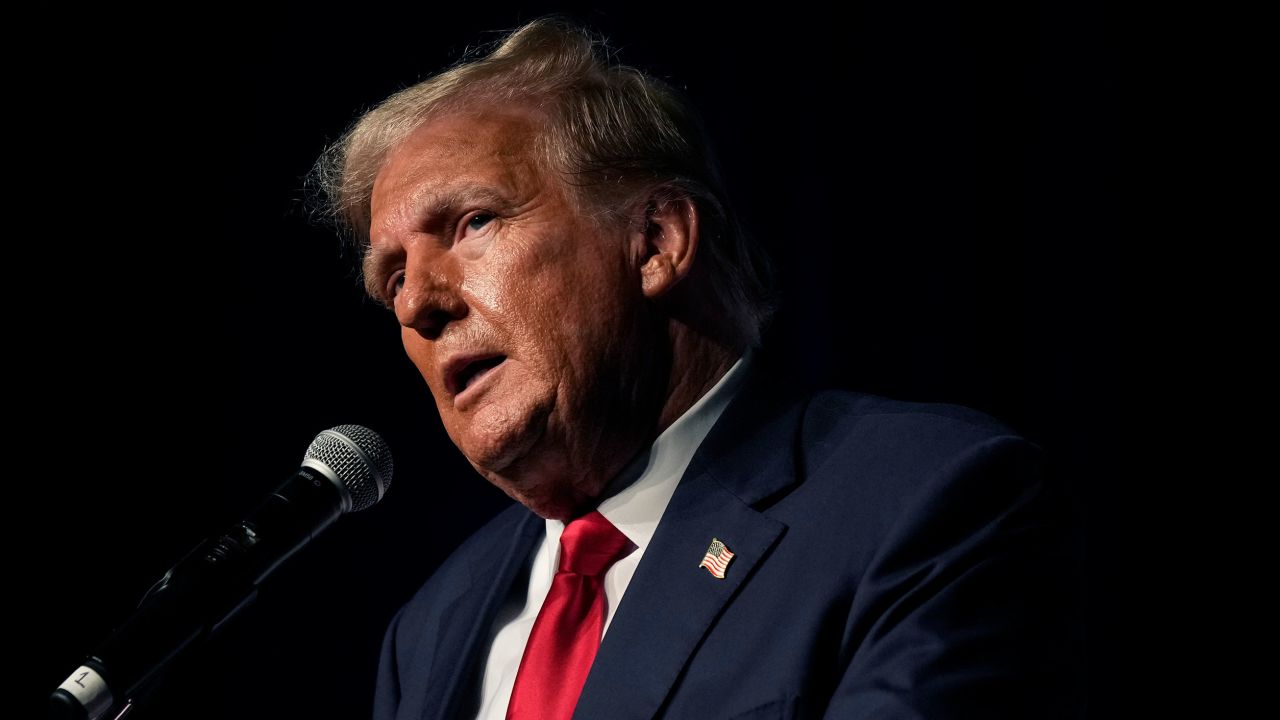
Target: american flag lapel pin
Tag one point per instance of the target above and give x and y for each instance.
(717, 558)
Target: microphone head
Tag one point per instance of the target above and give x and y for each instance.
(358, 458)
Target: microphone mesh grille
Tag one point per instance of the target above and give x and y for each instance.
(355, 472)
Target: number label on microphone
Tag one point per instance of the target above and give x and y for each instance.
(87, 686)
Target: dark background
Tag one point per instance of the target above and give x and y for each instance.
(935, 184)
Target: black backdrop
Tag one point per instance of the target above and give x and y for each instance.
(932, 182)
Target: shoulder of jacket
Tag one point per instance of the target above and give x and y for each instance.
(841, 413)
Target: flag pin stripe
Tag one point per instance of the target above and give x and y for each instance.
(717, 558)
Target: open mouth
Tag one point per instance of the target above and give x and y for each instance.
(471, 372)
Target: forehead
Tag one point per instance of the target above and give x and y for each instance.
(458, 151)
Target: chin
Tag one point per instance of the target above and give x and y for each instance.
(500, 444)
(495, 457)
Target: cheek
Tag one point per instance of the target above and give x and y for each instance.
(524, 269)
(557, 297)
(497, 290)
(525, 291)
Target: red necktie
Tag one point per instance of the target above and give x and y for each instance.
(567, 633)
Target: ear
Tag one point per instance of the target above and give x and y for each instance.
(670, 230)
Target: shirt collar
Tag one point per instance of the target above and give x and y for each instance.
(637, 508)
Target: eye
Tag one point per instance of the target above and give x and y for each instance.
(478, 221)
(394, 284)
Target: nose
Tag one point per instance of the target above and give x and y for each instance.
(431, 296)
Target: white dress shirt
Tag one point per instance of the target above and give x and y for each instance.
(635, 511)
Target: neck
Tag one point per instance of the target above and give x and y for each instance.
(694, 365)
(697, 364)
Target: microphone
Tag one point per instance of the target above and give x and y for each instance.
(347, 468)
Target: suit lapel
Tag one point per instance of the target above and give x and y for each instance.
(671, 602)
(640, 659)
(492, 576)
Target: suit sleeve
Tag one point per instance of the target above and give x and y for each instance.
(970, 607)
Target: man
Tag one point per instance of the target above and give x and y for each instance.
(692, 538)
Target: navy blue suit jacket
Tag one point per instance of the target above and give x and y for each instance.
(892, 560)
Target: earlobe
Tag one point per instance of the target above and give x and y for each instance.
(671, 242)
(657, 276)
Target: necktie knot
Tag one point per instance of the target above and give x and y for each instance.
(590, 544)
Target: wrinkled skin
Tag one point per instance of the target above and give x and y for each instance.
(482, 253)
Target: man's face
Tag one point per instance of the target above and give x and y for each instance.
(524, 316)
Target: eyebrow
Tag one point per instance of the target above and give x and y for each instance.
(430, 212)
